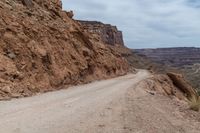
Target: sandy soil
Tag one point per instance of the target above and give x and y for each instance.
(117, 105)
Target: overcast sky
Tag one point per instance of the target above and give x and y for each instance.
(145, 23)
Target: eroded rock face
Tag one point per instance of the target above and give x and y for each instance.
(107, 33)
(42, 49)
(50, 4)
(162, 84)
(183, 85)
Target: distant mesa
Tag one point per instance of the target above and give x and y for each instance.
(174, 57)
(107, 33)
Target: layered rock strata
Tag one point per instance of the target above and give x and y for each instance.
(175, 57)
(107, 33)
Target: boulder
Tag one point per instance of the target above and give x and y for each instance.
(70, 14)
(6, 89)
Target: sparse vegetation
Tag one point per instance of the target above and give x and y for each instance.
(192, 73)
(194, 103)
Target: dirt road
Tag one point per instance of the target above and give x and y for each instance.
(116, 105)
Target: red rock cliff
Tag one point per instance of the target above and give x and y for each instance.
(107, 33)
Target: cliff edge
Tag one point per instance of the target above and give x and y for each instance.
(109, 34)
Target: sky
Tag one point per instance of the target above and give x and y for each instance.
(145, 23)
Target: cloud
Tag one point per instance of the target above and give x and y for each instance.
(194, 3)
(145, 23)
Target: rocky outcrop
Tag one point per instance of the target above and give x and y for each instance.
(162, 84)
(170, 84)
(70, 14)
(183, 85)
(107, 33)
(43, 49)
(49, 4)
(174, 57)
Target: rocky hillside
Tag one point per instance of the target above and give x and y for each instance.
(175, 57)
(42, 48)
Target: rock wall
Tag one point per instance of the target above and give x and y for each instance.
(174, 57)
(107, 33)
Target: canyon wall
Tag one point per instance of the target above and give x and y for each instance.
(107, 33)
(174, 57)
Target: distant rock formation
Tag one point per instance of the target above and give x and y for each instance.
(174, 57)
(107, 33)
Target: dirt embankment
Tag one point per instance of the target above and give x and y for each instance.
(171, 84)
(42, 48)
